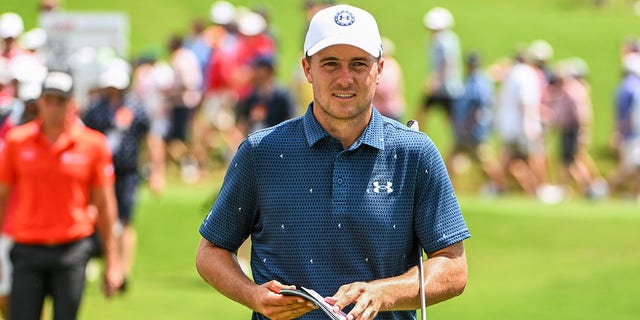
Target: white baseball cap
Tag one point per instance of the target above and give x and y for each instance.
(251, 23)
(631, 63)
(115, 74)
(34, 39)
(540, 50)
(438, 18)
(11, 25)
(343, 24)
(222, 12)
(58, 83)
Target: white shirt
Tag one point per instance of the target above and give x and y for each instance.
(518, 109)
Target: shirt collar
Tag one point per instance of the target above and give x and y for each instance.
(373, 134)
(70, 135)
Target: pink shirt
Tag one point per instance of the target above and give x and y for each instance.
(389, 97)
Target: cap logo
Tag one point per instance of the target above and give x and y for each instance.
(344, 18)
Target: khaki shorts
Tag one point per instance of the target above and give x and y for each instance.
(218, 110)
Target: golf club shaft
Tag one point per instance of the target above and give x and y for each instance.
(413, 124)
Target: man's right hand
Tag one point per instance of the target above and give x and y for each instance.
(279, 307)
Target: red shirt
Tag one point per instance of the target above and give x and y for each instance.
(54, 181)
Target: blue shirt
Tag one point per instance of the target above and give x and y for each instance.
(472, 112)
(124, 140)
(321, 216)
(627, 96)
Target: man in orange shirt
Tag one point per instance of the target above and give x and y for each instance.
(58, 168)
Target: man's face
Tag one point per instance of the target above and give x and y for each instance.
(344, 80)
(53, 108)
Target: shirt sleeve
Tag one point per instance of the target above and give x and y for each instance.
(231, 218)
(438, 219)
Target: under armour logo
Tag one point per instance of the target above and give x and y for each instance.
(344, 18)
(377, 188)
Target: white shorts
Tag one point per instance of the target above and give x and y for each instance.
(6, 268)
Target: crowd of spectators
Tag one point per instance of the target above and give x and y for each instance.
(218, 83)
(525, 102)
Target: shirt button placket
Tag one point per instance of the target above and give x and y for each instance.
(339, 197)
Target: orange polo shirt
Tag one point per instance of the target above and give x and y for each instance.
(54, 181)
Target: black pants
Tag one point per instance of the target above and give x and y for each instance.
(38, 271)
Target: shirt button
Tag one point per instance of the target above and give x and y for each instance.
(340, 180)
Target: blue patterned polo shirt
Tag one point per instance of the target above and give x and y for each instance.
(321, 216)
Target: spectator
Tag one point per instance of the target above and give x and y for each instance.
(214, 129)
(58, 167)
(389, 97)
(473, 120)
(444, 83)
(11, 27)
(566, 98)
(125, 123)
(267, 103)
(149, 80)
(518, 124)
(627, 129)
(184, 96)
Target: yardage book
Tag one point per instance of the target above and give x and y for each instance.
(316, 299)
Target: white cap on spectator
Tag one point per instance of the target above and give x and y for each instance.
(222, 12)
(34, 39)
(577, 66)
(114, 78)
(117, 63)
(115, 74)
(438, 18)
(251, 23)
(540, 50)
(343, 24)
(11, 25)
(631, 63)
(29, 90)
(27, 68)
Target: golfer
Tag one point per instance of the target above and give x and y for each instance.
(338, 200)
(58, 167)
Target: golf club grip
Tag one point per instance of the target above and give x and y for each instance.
(413, 124)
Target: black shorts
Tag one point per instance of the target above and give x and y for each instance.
(126, 187)
(446, 102)
(179, 124)
(569, 146)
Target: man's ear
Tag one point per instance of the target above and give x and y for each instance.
(380, 68)
(306, 68)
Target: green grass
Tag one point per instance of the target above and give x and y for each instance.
(527, 260)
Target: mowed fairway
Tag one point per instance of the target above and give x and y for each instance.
(527, 260)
